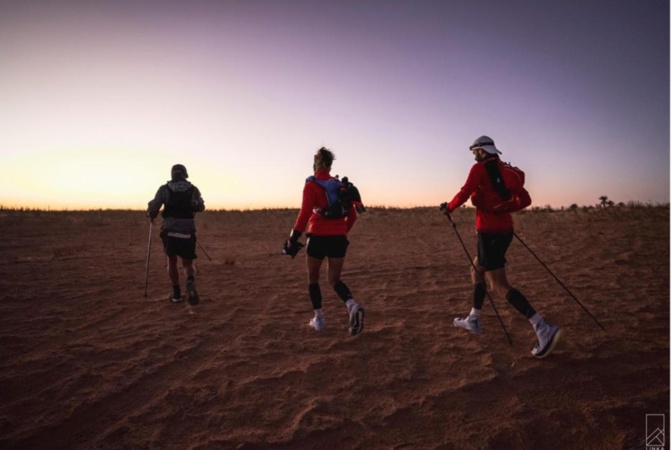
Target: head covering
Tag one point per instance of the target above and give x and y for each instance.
(178, 172)
(486, 143)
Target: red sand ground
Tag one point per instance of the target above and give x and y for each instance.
(86, 362)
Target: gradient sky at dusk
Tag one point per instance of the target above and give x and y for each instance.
(99, 99)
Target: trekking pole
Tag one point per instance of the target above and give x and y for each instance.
(146, 276)
(454, 225)
(201, 247)
(559, 281)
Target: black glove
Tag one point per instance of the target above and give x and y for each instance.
(443, 206)
(292, 246)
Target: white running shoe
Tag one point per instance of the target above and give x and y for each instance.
(356, 313)
(318, 323)
(548, 337)
(470, 323)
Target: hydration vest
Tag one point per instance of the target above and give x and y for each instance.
(507, 182)
(336, 209)
(178, 204)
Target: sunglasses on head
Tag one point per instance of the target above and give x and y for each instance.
(480, 145)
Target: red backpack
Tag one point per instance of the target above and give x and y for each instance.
(508, 193)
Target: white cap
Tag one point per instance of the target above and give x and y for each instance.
(486, 143)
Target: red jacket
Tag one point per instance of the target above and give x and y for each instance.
(314, 196)
(477, 187)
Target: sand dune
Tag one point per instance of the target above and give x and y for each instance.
(87, 362)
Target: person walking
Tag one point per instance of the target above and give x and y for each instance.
(497, 191)
(327, 223)
(181, 200)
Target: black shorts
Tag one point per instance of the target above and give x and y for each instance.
(492, 249)
(322, 246)
(179, 244)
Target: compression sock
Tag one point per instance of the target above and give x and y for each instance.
(315, 295)
(520, 302)
(479, 293)
(342, 290)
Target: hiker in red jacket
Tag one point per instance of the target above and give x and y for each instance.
(496, 190)
(327, 238)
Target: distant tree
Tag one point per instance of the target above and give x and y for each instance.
(573, 207)
(610, 203)
(604, 200)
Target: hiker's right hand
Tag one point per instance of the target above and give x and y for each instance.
(444, 209)
(292, 246)
(294, 236)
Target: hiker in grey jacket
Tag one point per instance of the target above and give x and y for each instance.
(180, 200)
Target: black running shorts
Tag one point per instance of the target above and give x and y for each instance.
(327, 246)
(492, 249)
(179, 244)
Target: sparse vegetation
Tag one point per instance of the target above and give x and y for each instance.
(605, 202)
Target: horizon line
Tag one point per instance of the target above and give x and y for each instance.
(632, 203)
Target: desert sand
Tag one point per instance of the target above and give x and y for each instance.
(87, 362)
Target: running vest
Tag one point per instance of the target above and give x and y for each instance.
(336, 208)
(179, 204)
(507, 182)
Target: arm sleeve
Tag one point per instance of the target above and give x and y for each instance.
(155, 204)
(197, 201)
(468, 188)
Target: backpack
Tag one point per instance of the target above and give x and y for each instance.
(178, 203)
(507, 182)
(341, 195)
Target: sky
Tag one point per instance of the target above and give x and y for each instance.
(98, 99)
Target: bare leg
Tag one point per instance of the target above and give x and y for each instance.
(190, 271)
(499, 282)
(189, 267)
(479, 276)
(334, 271)
(479, 287)
(314, 266)
(335, 266)
(173, 273)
